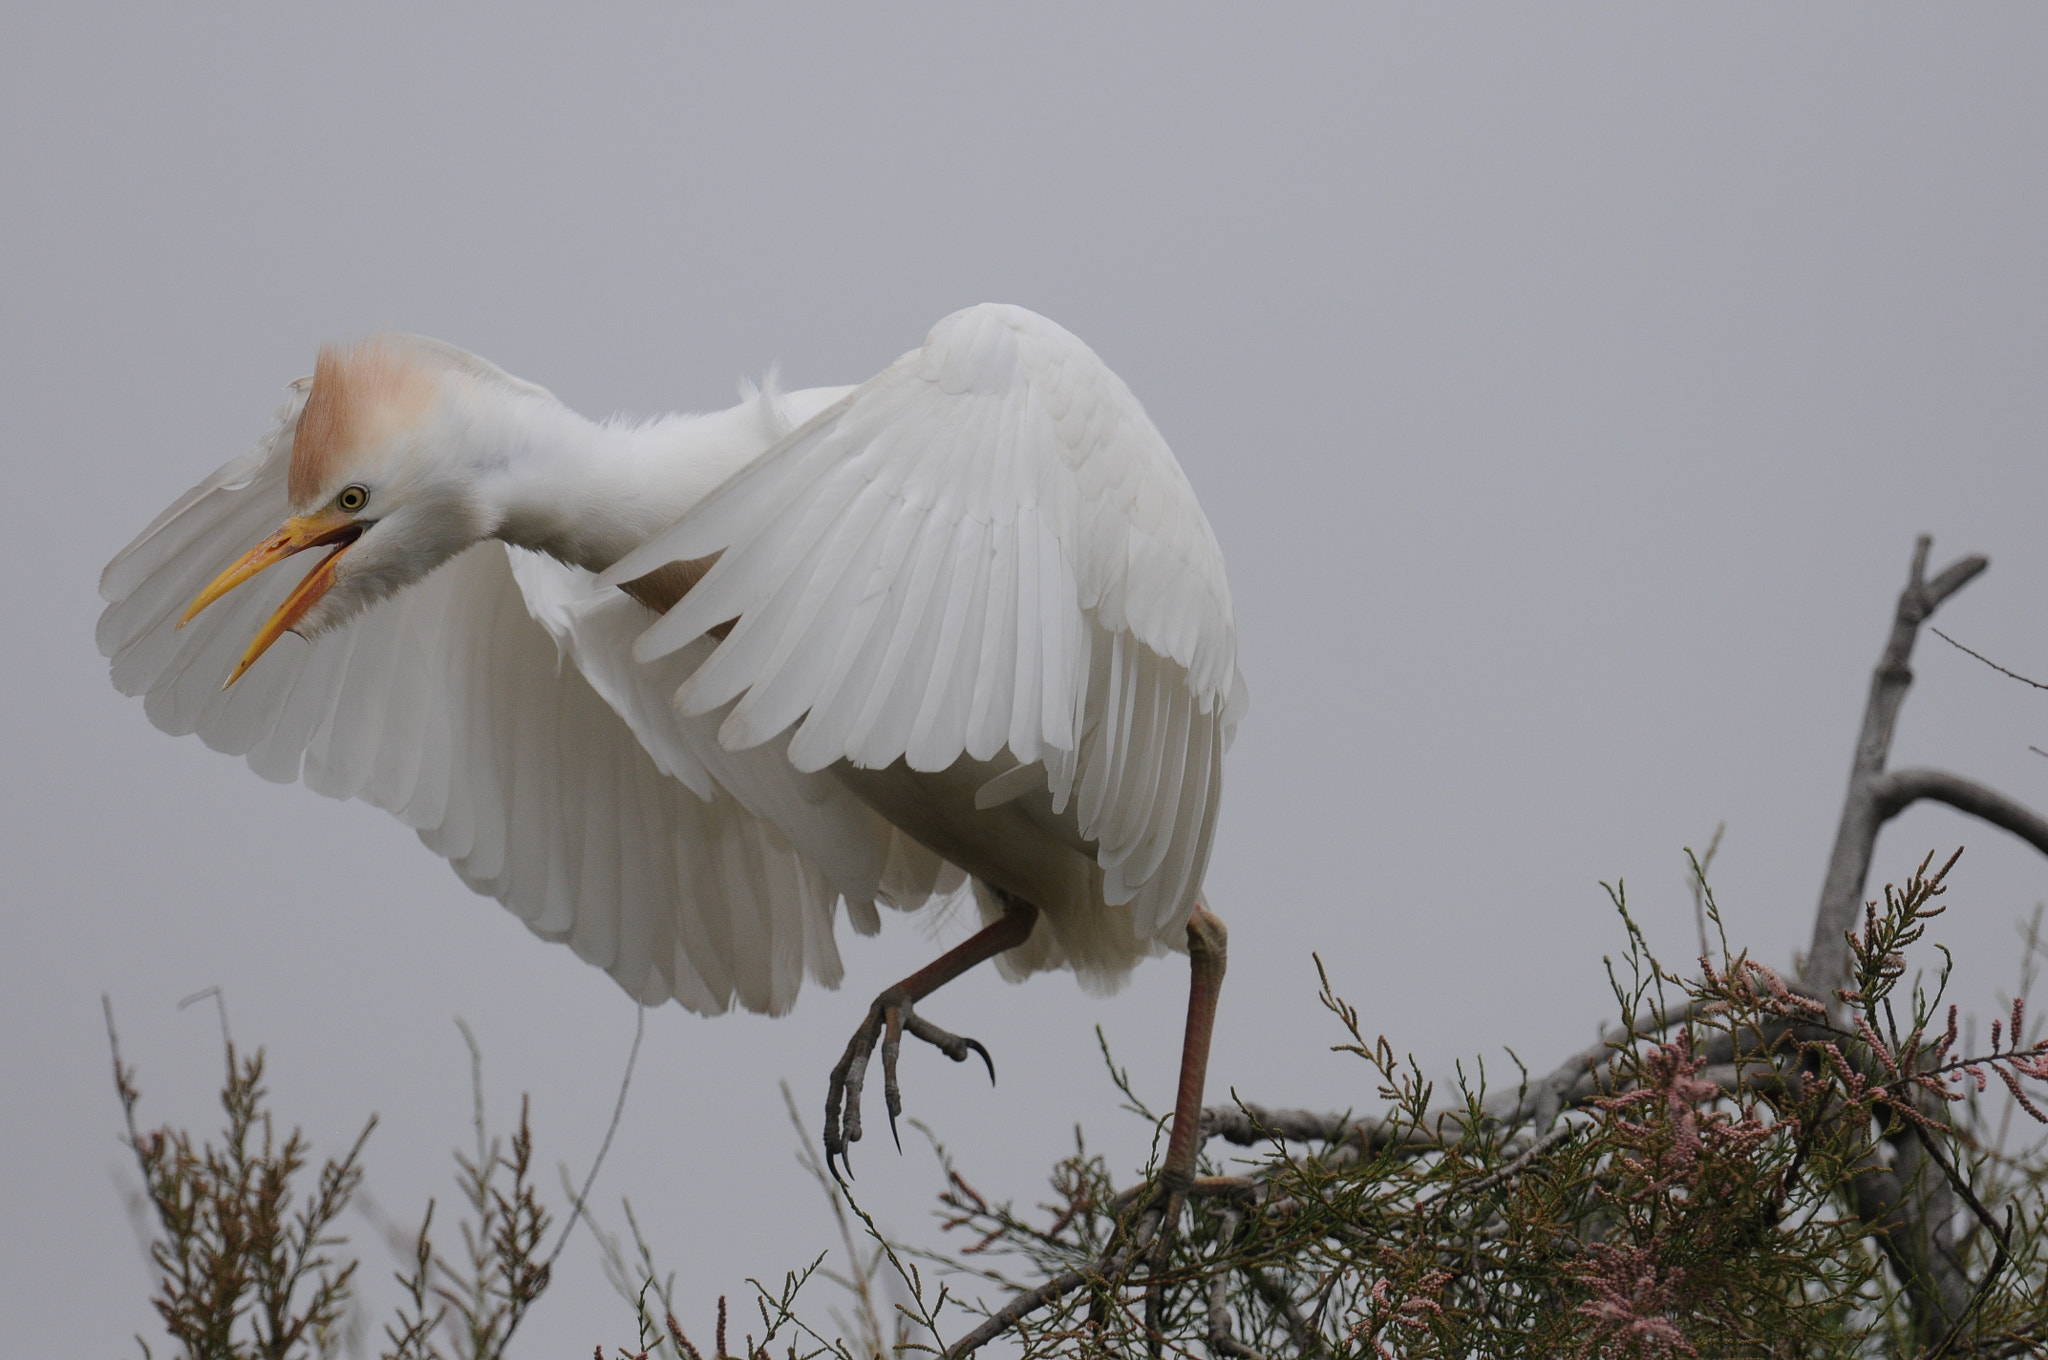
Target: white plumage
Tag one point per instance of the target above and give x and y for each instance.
(979, 626)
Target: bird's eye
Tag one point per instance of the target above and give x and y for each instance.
(353, 498)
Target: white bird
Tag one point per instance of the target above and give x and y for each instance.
(672, 691)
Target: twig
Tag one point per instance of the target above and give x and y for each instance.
(1298, 1327)
(1696, 882)
(1108, 1266)
(860, 1282)
(2002, 1235)
(1513, 1168)
(1998, 1263)
(1572, 1083)
(219, 998)
(2025, 680)
(618, 1112)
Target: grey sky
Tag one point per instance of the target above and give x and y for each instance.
(1565, 388)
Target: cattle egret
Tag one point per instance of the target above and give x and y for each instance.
(673, 691)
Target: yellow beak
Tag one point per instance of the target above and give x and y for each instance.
(298, 534)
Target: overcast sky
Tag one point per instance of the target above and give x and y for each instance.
(1565, 386)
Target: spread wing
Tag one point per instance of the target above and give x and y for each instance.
(680, 868)
(987, 546)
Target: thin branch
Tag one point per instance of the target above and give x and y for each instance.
(2015, 675)
(1513, 1168)
(1250, 1125)
(1696, 883)
(1962, 1187)
(1299, 1330)
(2001, 1254)
(618, 1112)
(1108, 1266)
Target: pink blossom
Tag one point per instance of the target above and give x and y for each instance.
(1632, 1303)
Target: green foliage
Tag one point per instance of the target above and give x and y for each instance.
(243, 1274)
(244, 1271)
(486, 1292)
(1703, 1184)
(1739, 1169)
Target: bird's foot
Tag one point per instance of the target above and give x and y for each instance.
(889, 1019)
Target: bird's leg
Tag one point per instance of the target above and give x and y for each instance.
(893, 1015)
(1206, 956)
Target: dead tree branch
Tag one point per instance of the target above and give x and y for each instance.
(1221, 1342)
(1914, 1212)
(1841, 897)
(1900, 789)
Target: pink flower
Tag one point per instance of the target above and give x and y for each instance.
(1632, 1303)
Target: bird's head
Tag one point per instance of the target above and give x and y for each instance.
(379, 476)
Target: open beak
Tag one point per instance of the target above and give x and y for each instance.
(298, 534)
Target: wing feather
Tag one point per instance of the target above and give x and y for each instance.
(1030, 654)
(598, 928)
(862, 650)
(995, 675)
(452, 706)
(884, 729)
(797, 639)
(1033, 572)
(397, 770)
(932, 742)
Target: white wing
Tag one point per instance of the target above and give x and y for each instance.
(670, 864)
(987, 546)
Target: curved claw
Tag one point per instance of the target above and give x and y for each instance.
(892, 1045)
(887, 1020)
(842, 1098)
(838, 1156)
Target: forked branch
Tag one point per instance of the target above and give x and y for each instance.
(1863, 811)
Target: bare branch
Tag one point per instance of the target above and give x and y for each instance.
(1827, 960)
(1221, 1342)
(611, 1129)
(1249, 1125)
(1519, 1164)
(1575, 1081)
(1899, 789)
(1108, 1266)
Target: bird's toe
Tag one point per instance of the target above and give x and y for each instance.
(890, 1017)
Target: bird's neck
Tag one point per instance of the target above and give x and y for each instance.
(586, 492)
